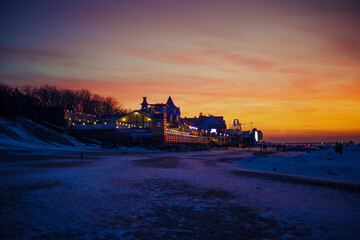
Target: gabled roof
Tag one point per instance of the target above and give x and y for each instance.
(140, 112)
(170, 103)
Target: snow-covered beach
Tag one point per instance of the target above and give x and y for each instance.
(158, 195)
(55, 187)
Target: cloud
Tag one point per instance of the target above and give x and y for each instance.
(291, 64)
(211, 57)
(30, 54)
(178, 57)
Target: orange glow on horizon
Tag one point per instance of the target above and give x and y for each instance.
(291, 66)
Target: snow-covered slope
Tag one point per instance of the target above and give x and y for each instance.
(26, 134)
(322, 163)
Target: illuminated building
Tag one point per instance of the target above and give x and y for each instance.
(136, 119)
(173, 114)
(78, 118)
(214, 124)
(251, 138)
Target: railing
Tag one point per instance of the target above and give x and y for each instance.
(173, 136)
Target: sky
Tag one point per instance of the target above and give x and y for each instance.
(290, 67)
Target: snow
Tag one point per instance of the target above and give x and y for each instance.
(321, 163)
(21, 135)
(192, 195)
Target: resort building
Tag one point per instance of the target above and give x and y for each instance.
(135, 119)
(173, 114)
(210, 124)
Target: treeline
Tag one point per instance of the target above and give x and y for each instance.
(32, 100)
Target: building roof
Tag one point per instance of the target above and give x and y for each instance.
(170, 103)
(202, 118)
(140, 112)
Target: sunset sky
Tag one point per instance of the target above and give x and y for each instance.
(292, 67)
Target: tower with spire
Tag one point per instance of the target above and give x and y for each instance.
(173, 112)
(144, 105)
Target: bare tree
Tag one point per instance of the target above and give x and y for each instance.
(35, 99)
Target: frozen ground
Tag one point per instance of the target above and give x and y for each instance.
(194, 195)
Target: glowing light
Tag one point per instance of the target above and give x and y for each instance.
(256, 136)
(213, 130)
